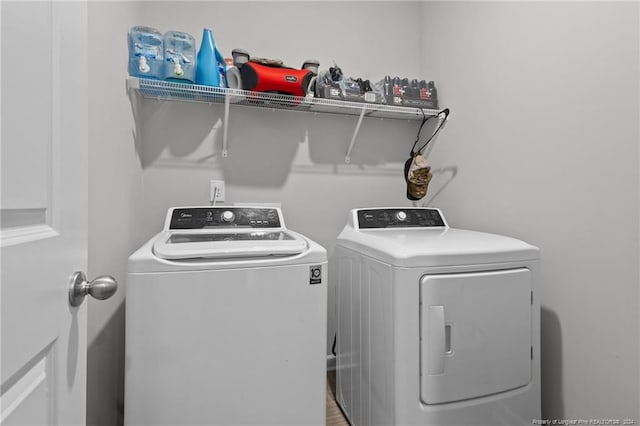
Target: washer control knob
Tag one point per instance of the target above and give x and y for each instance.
(401, 216)
(228, 216)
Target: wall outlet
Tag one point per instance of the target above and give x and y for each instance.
(216, 188)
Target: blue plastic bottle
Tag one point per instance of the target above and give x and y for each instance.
(179, 57)
(210, 66)
(146, 50)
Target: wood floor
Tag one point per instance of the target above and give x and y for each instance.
(334, 415)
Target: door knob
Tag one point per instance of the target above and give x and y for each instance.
(101, 288)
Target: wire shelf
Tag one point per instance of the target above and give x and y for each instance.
(158, 89)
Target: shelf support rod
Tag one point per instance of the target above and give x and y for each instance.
(225, 128)
(347, 158)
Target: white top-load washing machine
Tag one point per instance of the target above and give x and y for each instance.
(436, 326)
(226, 322)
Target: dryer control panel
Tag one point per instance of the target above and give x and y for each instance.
(224, 217)
(399, 218)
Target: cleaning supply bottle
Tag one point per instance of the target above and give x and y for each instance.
(145, 52)
(179, 57)
(211, 67)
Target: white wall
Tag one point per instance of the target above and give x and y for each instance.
(543, 145)
(115, 185)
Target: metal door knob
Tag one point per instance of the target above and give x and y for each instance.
(100, 288)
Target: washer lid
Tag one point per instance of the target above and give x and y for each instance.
(226, 232)
(386, 236)
(221, 244)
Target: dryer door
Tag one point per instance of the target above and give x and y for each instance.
(475, 331)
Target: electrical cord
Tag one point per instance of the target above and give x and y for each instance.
(212, 196)
(333, 347)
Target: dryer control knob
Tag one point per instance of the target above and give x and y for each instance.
(228, 216)
(401, 216)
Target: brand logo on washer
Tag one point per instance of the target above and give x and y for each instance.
(315, 274)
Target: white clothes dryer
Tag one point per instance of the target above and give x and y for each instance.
(226, 313)
(436, 326)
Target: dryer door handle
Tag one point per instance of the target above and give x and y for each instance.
(435, 343)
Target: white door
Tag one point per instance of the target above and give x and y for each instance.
(43, 235)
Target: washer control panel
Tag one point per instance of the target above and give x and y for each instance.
(224, 217)
(399, 218)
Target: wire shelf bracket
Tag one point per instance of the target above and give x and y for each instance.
(347, 158)
(225, 132)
